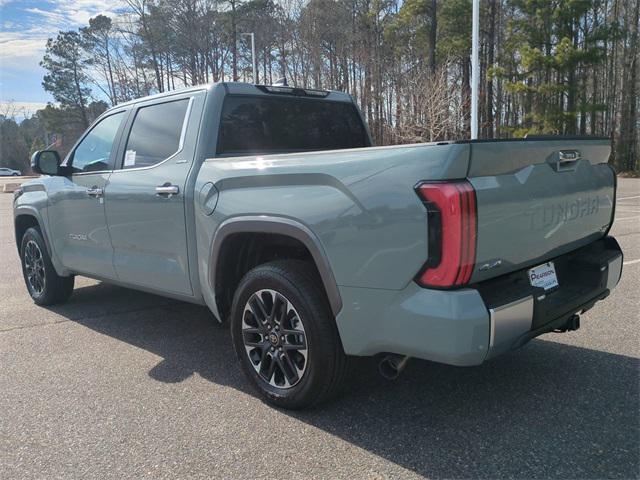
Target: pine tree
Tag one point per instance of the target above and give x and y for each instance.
(66, 79)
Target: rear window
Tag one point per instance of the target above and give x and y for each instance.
(258, 125)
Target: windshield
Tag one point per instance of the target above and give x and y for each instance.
(262, 125)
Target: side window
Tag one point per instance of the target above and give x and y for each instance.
(94, 151)
(155, 134)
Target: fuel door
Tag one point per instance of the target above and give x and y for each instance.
(208, 198)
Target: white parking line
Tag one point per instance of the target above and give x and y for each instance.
(627, 198)
(631, 262)
(627, 218)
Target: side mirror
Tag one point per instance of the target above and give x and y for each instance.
(46, 162)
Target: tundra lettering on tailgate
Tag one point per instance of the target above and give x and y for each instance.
(551, 215)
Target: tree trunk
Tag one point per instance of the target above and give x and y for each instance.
(81, 100)
(627, 151)
(114, 98)
(489, 132)
(234, 42)
(466, 95)
(433, 36)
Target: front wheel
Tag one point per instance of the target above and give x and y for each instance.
(285, 335)
(44, 285)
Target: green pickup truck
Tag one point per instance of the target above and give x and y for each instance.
(270, 205)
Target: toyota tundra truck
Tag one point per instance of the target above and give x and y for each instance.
(269, 205)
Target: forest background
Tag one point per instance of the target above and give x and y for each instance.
(561, 67)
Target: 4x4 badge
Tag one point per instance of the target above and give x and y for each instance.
(490, 265)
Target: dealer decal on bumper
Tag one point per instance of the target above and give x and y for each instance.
(543, 276)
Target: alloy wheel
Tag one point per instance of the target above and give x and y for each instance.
(274, 338)
(34, 267)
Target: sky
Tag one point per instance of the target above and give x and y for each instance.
(25, 26)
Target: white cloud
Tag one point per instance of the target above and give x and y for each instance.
(80, 11)
(21, 50)
(49, 15)
(76, 13)
(23, 39)
(20, 110)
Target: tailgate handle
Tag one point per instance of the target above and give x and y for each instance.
(567, 160)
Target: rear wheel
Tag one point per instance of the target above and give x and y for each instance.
(44, 285)
(285, 335)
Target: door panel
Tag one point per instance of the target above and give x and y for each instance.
(77, 217)
(78, 225)
(147, 227)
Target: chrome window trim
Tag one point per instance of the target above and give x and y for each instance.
(183, 134)
(185, 122)
(97, 172)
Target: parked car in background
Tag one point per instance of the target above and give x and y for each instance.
(9, 172)
(269, 205)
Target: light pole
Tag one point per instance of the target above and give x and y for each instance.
(475, 68)
(254, 66)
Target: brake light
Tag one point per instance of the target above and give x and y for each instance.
(279, 89)
(301, 92)
(452, 217)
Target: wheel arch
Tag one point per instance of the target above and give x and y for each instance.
(277, 229)
(25, 218)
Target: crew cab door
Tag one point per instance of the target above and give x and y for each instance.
(145, 197)
(76, 212)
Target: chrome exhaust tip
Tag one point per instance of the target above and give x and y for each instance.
(391, 366)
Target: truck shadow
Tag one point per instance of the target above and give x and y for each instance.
(550, 410)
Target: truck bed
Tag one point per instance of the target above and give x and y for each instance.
(531, 204)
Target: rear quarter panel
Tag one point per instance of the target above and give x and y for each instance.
(360, 204)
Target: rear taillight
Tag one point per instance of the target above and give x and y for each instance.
(451, 217)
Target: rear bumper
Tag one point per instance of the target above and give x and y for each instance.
(468, 326)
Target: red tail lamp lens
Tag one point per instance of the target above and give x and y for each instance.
(452, 218)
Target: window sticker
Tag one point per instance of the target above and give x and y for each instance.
(130, 158)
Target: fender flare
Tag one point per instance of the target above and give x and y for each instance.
(26, 210)
(281, 226)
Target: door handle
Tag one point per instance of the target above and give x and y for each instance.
(167, 189)
(94, 191)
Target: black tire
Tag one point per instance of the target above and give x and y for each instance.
(325, 363)
(15, 174)
(44, 285)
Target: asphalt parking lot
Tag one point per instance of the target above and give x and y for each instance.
(122, 384)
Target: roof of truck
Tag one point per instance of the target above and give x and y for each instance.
(166, 94)
(233, 88)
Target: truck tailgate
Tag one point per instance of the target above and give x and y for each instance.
(537, 199)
